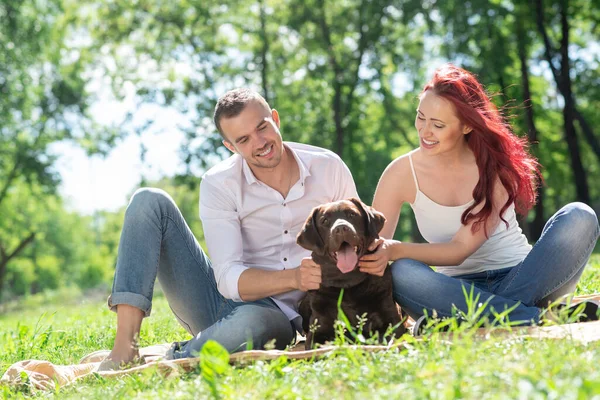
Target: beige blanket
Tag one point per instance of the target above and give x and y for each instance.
(43, 375)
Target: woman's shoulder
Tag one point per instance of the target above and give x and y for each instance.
(401, 165)
(397, 180)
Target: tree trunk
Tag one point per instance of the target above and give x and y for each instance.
(569, 109)
(344, 82)
(6, 257)
(337, 81)
(497, 39)
(563, 81)
(534, 229)
(264, 51)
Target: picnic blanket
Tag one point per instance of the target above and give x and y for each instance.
(44, 375)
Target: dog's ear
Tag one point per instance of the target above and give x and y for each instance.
(374, 220)
(309, 237)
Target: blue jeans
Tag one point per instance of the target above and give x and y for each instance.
(550, 271)
(157, 242)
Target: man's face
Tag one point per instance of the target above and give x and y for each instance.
(254, 135)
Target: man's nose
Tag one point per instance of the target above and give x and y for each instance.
(260, 141)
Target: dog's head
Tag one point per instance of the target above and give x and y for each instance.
(341, 231)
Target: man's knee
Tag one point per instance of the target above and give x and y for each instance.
(149, 199)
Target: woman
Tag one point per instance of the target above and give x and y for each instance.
(465, 183)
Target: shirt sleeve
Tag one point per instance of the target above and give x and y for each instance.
(222, 232)
(346, 187)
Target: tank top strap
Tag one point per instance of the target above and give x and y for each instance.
(412, 168)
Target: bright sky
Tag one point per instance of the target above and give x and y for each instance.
(97, 183)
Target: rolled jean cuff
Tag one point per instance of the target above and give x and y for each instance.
(131, 299)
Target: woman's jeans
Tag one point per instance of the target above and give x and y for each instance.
(157, 242)
(550, 271)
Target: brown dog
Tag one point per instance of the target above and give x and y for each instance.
(338, 234)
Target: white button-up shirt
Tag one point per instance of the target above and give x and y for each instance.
(248, 224)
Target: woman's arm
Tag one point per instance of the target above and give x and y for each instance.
(396, 187)
(463, 244)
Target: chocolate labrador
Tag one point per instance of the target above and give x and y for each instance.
(339, 234)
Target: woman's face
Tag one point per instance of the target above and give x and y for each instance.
(439, 128)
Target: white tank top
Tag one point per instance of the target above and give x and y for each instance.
(506, 247)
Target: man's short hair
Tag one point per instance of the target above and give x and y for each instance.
(232, 103)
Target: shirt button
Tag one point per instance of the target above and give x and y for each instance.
(284, 258)
(284, 204)
(285, 232)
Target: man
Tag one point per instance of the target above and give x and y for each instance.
(252, 206)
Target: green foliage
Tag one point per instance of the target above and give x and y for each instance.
(214, 363)
(68, 250)
(343, 75)
(43, 101)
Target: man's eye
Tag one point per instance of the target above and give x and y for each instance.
(420, 118)
(262, 128)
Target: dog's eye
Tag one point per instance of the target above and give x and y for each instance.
(324, 221)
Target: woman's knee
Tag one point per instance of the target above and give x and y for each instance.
(583, 221)
(408, 274)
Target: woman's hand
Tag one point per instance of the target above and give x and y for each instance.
(308, 275)
(376, 263)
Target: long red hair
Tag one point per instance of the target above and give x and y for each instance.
(498, 151)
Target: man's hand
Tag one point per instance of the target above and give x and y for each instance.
(308, 275)
(376, 263)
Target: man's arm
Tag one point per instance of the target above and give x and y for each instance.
(255, 283)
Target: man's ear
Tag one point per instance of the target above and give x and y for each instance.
(309, 237)
(229, 145)
(374, 220)
(275, 116)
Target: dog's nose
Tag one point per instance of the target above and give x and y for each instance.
(341, 229)
(342, 226)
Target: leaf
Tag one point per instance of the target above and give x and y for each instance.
(214, 358)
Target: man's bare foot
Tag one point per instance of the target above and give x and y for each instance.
(125, 350)
(124, 355)
(120, 359)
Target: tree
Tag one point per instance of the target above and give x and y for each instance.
(563, 81)
(43, 101)
(534, 230)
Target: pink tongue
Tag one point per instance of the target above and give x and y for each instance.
(346, 258)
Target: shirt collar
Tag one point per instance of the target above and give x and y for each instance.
(303, 165)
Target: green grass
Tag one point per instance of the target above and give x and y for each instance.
(62, 331)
